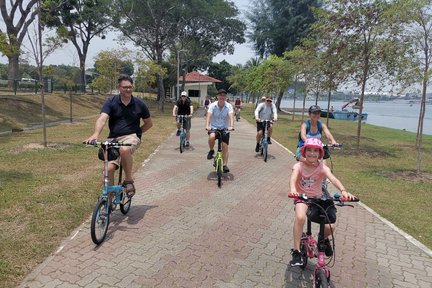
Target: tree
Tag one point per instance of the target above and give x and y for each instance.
(221, 71)
(41, 50)
(79, 21)
(17, 19)
(109, 65)
(279, 25)
(159, 26)
(331, 60)
(418, 34)
(368, 36)
(147, 73)
(277, 75)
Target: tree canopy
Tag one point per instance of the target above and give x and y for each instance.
(280, 25)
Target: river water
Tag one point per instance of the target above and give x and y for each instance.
(397, 114)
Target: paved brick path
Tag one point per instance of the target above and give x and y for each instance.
(184, 231)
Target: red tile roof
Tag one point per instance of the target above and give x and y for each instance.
(197, 77)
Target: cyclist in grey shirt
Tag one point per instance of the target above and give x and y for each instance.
(264, 111)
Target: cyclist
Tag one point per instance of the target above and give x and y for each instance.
(306, 178)
(207, 102)
(123, 113)
(266, 110)
(237, 105)
(184, 107)
(220, 116)
(313, 128)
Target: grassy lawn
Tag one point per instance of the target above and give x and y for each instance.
(381, 173)
(46, 193)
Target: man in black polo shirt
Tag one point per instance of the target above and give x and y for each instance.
(184, 107)
(123, 113)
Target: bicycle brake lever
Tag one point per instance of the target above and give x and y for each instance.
(344, 204)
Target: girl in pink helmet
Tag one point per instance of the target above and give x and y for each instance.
(306, 178)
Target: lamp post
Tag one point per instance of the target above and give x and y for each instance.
(178, 72)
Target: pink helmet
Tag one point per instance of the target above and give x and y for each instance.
(312, 143)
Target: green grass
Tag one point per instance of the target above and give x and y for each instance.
(46, 193)
(381, 173)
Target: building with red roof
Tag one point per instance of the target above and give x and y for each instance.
(196, 85)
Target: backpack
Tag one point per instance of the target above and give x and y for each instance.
(307, 122)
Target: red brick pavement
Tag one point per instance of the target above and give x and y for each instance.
(184, 231)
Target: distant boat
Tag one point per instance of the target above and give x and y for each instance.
(345, 114)
(324, 114)
(349, 115)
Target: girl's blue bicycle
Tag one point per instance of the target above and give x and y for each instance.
(112, 195)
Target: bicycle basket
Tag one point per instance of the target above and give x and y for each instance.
(113, 153)
(315, 213)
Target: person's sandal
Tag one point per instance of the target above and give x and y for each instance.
(131, 191)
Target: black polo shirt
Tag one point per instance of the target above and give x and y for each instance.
(125, 120)
(184, 107)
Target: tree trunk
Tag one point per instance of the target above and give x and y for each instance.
(279, 100)
(419, 137)
(161, 93)
(359, 121)
(82, 73)
(294, 100)
(12, 69)
(328, 107)
(70, 106)
(304, 102)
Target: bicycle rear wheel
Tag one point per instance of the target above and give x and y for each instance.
(100, 220)
(125, 203)
(321, 280)
(219, 172)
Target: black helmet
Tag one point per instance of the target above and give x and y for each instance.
(314, 108)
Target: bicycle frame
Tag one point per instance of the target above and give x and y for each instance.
(315, 248)
(182, 132)
(116, 189)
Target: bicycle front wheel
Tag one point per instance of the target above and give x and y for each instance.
(219, 171)
(321, 280)
(182, 142)
(100, 221)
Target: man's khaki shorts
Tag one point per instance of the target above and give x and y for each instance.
(129, 139)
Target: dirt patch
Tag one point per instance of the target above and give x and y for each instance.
(369, 152)
(409, 175)
(39, 146)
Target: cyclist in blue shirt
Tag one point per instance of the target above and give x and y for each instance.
(313, 128)
(220, 116)
(123, 113)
